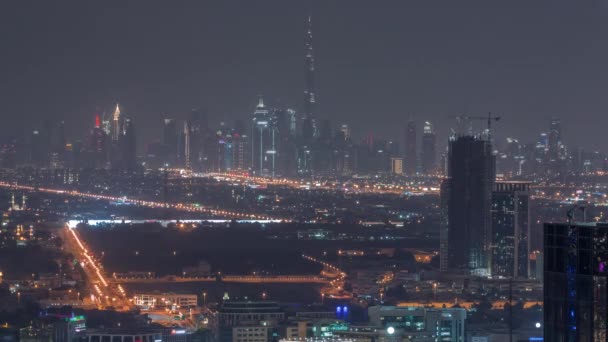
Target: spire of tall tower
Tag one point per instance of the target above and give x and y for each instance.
(116, 124)
(117, 113)
(97, 121)
(308, 129)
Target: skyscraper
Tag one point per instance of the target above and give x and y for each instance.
(309, 127)
(170, 141)
(555, 139)
(241, 150)
(345, 131)
(575, 281)
(263, 149)
(286, 149)
(106, 123)
(511, 229)
(97, 146)
(397, 166)
(344, 151)
(187, 151)
(129, 146)
(410, 148)
(323, 162)
(199, 137)
(307, 145)
(556, 152)
(468, 196)
(444, 226)
(116, 124)
(58, 146)
(429, 153)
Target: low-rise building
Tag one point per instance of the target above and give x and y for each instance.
(123, 335)
(247, 321)
(444, 323)
(160, 300)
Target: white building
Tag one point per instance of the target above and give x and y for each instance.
(154, 300)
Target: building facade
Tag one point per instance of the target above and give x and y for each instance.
(397, 166)
(467, 200)
(247, 321)
(511, 230)
(441, 324)
(411, 158)
(428, 155)
(263, 147)
(575, 282)
(161, 300)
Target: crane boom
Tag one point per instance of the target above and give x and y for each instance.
(489, 119)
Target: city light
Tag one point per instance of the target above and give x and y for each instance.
(188, 207)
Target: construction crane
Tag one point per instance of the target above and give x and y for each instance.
(489, 119)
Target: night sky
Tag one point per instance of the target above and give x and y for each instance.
(378, 61)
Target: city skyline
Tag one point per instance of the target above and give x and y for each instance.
(363, 81)
(272, 171)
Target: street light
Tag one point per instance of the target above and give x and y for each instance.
(204, 298)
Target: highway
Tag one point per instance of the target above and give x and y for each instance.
(187, 207)
(288, 279)
(362, 187)
(103, 293)
(164, 223)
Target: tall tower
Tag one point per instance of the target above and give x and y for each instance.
(510, 243)
(309, 129)
(467, 195)
(575, 281)
(170, 141)
(128, 144)
(410, 148)
(428, 155)
(98, 145)
(263, 144)
(116, 124)
(554, 139)
(187, 144)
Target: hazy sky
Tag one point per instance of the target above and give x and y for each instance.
(378, 61)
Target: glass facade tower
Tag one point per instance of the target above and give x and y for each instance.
(575, 287)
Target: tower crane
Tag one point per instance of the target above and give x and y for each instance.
(489, 119)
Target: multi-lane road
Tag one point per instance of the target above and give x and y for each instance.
(368, 186)
(103, 293)
(187, 207)
(255, 279)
